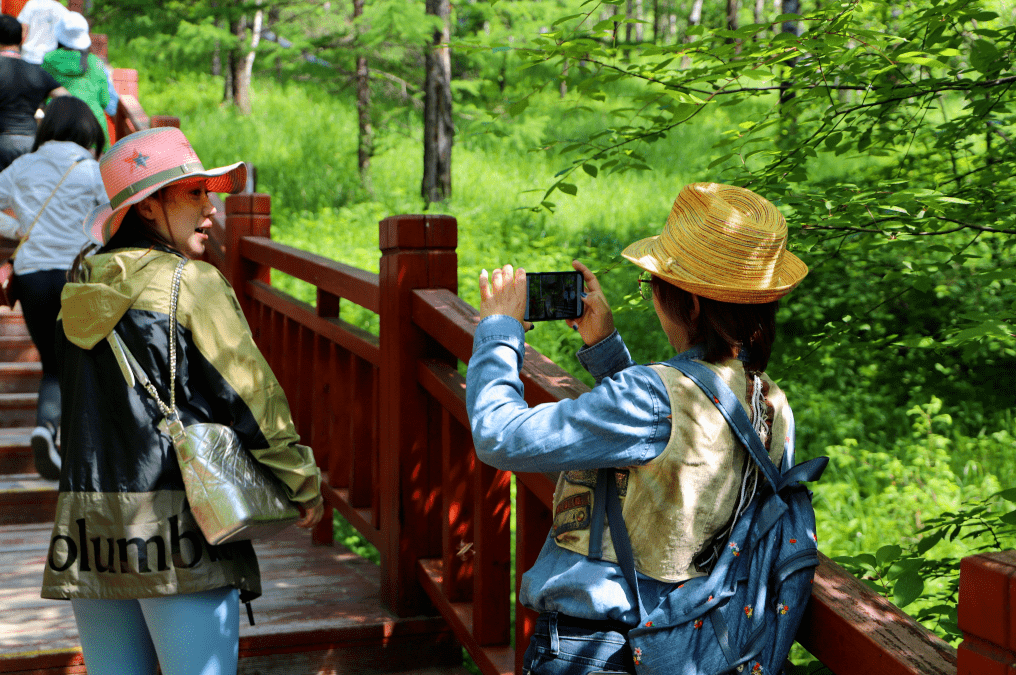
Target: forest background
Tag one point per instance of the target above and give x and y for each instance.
(883, 130)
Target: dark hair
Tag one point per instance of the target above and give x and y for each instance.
(68, 118)
(724, 327)
(83, 65)
(10, 30)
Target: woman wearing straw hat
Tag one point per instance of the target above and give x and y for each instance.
(714, 276)
(146, 587)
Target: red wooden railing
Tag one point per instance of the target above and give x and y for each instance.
(386, 417)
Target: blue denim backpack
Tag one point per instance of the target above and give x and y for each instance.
(743, 617)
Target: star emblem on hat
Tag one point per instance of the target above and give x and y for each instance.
(137, 159)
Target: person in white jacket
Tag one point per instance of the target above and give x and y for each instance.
(40, 18)
(50, 191)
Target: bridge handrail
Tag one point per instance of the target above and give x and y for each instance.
(440, 517)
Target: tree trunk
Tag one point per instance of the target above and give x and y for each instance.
(438, 129)
(242, 94)
(694, 19)
(365, 146)
(732, 8)
(655, 21)
(628, 14)
(788, 7)
(640, 32)
(216, 51)
(564, 79)
(760, 7)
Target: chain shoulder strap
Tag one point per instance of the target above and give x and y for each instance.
(129, 364)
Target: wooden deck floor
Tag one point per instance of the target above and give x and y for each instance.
(320, 614)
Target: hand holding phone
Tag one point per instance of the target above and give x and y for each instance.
(553, 296)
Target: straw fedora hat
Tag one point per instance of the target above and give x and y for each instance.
(72, 31)
(147, 161)
(722, 242)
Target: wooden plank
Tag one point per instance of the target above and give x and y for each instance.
(855, 631)
(416, 252)
(360, 342)
(361, 519)
(491, 659)
(27, 498)
(532, 524)
(344, 281)
(444, 383)
(458, 466)
(492, 562)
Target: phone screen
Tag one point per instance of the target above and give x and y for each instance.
(553, 295)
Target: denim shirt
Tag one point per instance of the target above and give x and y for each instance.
(623, 421)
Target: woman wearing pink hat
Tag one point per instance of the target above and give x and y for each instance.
(147, 588)
(714, 276)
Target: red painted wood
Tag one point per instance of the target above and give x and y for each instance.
(100, 46)
(986, 613)
(13, 7)
(855, 631)
(340, 280)
(458, 464)
(360, 342)
(492, 571)
(409, 504)
(492, 660)
(532, 523)
(130, 116)
(443, 382)
(359, 431)
(375, 445)
(320, 378)
(125, 81)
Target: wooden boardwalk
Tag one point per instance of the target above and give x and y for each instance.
(320, 613)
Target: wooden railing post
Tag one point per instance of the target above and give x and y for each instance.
(987, 614)
(246, 215)
(417, 251)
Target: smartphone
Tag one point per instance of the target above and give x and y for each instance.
(551, 296)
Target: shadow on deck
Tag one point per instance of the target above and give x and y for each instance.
(320, 613)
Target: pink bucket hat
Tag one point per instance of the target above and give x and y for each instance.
(147, 161)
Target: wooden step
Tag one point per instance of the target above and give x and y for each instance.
(20, 377)
(12, 321)
(17, 409)
(17, 348)
(26, 498)
(320, 615)
(16, 451)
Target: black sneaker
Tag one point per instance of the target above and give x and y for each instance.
(47, 459)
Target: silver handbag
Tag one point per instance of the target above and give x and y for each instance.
(232, 496)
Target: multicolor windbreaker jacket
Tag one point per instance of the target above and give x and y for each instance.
(123, 526)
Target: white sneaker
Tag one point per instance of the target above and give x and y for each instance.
(47, 459)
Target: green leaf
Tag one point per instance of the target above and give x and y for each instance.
(1008, 495)
(928, 542)
(888, 553)
(517, 108)
(1009, 518)
(567, 188)
(590, 169)
(867, 559)
(908, 588)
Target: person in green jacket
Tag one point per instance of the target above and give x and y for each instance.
(78, 71)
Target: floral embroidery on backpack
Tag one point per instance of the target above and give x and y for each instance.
(734, 549)
(782, 609)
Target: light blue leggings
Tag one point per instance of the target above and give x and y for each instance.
(191, 634)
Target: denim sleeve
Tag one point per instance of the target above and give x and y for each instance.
(623, 421)
(606, 358)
